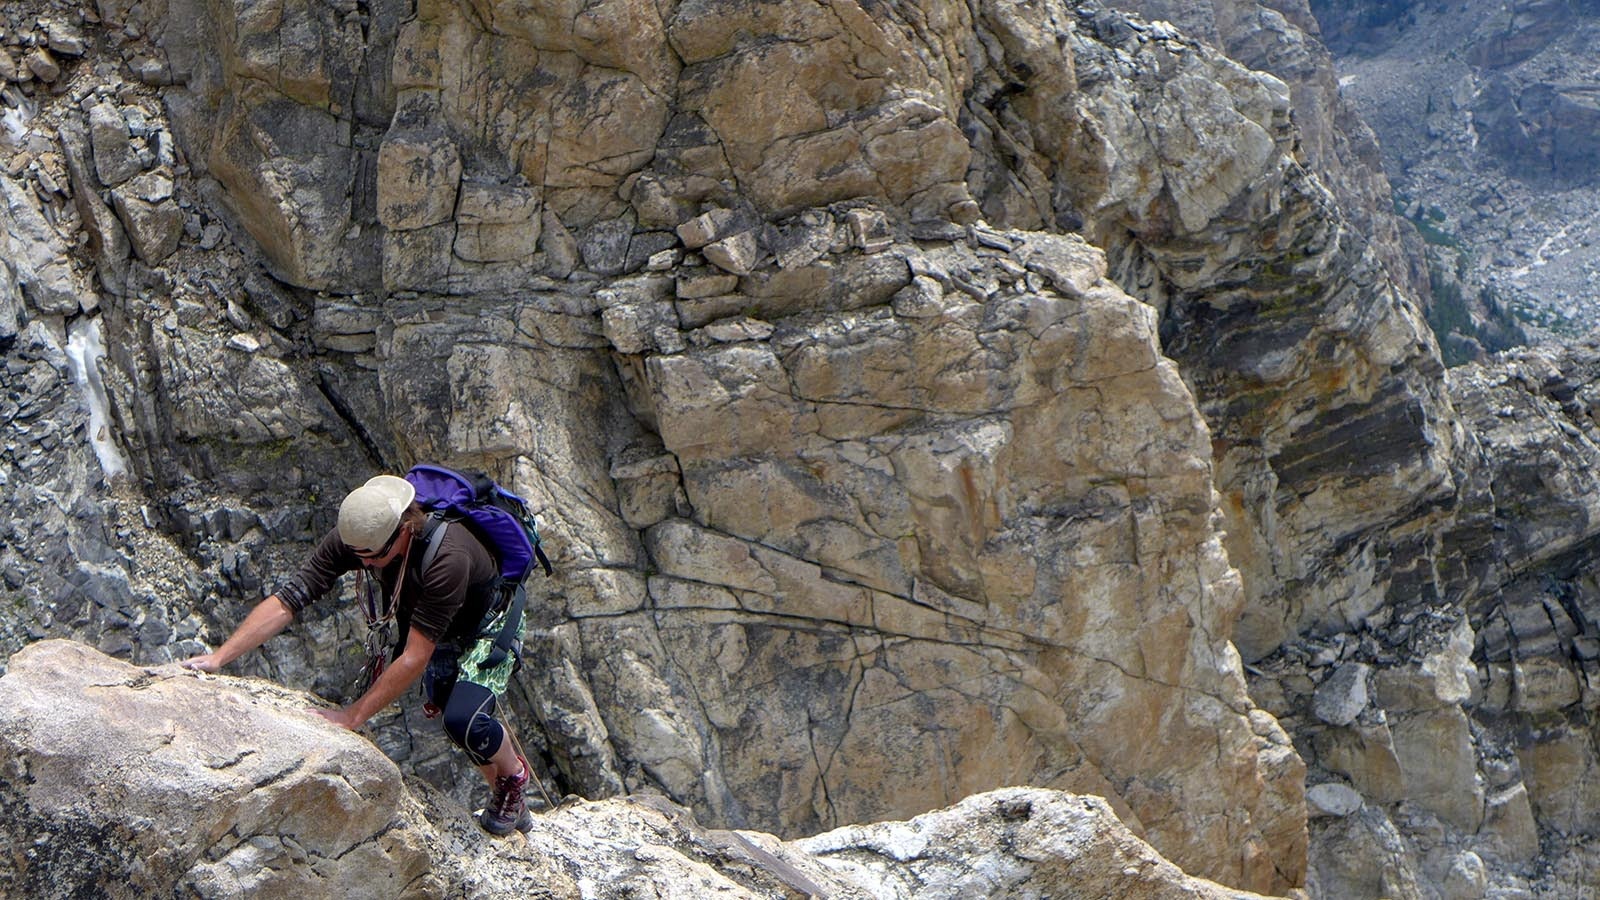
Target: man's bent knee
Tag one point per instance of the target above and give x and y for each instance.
(470, 723)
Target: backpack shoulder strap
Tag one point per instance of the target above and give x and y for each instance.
(433, 533)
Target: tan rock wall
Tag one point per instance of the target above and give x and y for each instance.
(862, 506)
(897, 555)
(1324, 416)
(618, 123)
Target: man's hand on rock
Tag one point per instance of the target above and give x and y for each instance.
(206, 662)
(339, 717)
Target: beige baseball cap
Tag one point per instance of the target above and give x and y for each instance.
(370, 514)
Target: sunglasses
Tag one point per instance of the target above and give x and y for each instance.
(381, 551)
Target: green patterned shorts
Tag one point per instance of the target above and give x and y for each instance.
(470, 665)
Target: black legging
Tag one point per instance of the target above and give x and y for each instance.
(468, 713)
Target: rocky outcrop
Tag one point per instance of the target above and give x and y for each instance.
(1282, 38)
(1396, 799)
(896, 558)
(124, 783)
(68, 562)
(1008, 843)
(1440, 738)
(1319, 378)
(1535, 634)
(128, 782)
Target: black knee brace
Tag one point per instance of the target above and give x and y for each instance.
(470, 723)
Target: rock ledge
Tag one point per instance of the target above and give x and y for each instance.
(121, 781)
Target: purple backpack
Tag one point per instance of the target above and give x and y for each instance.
(498, 517)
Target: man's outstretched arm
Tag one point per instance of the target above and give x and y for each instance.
(269, 618)
(396, 678)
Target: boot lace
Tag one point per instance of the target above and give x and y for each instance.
(508, 795)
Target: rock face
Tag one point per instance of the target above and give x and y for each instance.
(65, 549)
(892, 513)
(918, 400)
(177, 783)
(1463, 753)
(843, 483)
(906, 573)
(1321, 389)
(1282, 38)
(1535, 635)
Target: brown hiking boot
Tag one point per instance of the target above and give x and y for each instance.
(507, 811)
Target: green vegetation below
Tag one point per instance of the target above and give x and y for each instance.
(1451, 312)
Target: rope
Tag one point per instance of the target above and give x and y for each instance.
(380, 631)
(526, 764)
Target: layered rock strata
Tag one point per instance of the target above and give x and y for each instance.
(1332, 435)
(1535, 634)
(1444, 737)
(1283, 38)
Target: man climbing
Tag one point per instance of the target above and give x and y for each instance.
(438, 600)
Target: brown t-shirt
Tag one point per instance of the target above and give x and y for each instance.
(445, 602)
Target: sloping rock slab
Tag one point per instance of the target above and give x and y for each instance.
(124, 782)
(117, 781)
